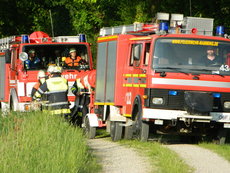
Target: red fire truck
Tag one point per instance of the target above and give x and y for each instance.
(161, 78)
(16, 81)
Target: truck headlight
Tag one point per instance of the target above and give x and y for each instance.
(227, 105)
(157, 101)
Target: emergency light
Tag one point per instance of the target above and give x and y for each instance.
(220, 30)
(216, 95)
(173, 93)
(82, 38)
(164, 26)
(25, 39)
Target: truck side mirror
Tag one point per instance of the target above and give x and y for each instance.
(23, 56)
(8, 56)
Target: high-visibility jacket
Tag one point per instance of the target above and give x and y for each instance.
(73, 62)
(34, 92)
(56, 89)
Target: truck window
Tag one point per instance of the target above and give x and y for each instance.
(146, 54)
(57, 54)
(135, 57)
(13, 59)
(192, 55)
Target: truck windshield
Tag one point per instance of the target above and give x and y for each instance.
(69, 56)
(192, 56)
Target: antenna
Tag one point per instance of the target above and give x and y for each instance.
(51, 22)
(190, 7)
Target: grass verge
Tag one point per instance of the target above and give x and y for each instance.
(222, 150)
(162, 159)
(39, 142)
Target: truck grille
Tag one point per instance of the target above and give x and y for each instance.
(177, 102)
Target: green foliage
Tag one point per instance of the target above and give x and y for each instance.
(71, 17)
(44, 143)
(88, 16)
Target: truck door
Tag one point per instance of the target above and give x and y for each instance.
(131, 76)
(135, 75)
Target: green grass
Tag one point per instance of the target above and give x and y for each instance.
(162, 159)
(44, 143)
(222, 150)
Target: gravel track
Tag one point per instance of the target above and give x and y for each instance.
(202, 160)
(116, 158)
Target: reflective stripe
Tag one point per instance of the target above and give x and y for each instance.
(60, 111)
(52, 92)
(58, 103)
(102, 103)
(40, 91)
(127, 115)
(143, 85)
(190, 82)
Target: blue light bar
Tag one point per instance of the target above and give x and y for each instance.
(164, 26)
(220, 30)
(82, 38)
(216, 95)
(25, 39)
(173, 93)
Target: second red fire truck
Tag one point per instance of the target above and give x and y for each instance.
(17, 80)
(155, 77)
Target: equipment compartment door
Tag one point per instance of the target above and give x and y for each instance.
(106, 66)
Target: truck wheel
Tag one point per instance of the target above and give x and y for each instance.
(128, 132)
(143, 131)
(141, 128)
(115, 130)
(89, 131)
(221, 137)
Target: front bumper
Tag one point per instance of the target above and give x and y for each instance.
(161, 114)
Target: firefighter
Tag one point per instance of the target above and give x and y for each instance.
(32, 62)
(81, 101)
(73, 60)
(41, 79)
(57, 90)
(211, 58)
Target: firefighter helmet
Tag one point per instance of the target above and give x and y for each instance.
(54, 69)
(41, 74)
(31, 51)
(72, 50)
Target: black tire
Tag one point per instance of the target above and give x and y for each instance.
(115, 130)
(141, 127)
(89, 131)
(128, 132)
(143, 131)
(11, 104)
(221, 137)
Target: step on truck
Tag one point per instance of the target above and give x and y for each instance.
(157, 78)
(17, 81)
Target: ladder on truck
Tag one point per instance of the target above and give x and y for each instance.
(124, 29)
(5, 43)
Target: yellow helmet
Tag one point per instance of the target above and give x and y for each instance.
(54, 69)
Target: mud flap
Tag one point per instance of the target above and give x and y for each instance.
(93, 120)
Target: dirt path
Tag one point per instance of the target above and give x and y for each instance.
(202, 160)
(118, 159)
